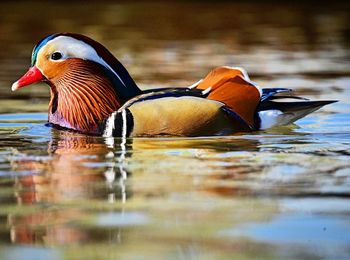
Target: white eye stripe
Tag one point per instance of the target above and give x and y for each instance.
(73, 48)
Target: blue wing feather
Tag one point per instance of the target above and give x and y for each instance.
(269, 92)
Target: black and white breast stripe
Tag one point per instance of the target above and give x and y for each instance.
(118, 124)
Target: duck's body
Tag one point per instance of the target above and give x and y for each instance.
(177, 112)
(91, 92)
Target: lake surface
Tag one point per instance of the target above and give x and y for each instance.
(281, 193)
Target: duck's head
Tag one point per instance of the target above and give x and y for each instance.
(87, 82)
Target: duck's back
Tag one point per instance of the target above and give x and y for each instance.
(226, 101)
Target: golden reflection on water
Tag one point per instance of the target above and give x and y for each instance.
(100, 191)
(62, 178)
(91, 168)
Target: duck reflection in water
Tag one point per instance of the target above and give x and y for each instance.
(84, 168)
(77, 168)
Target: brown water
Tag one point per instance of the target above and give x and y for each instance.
(275, 194)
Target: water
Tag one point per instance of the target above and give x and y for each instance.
(274, 194)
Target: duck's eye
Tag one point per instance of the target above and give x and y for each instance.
(56, 56)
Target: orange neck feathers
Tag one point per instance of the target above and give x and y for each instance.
(81, 96)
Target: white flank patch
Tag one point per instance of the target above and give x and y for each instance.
(269, 118)
(110, 125)
(73, 48)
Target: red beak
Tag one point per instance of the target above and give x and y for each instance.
(33, 75)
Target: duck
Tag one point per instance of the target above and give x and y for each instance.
(91, 92)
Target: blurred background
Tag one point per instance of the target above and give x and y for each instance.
(176, 43)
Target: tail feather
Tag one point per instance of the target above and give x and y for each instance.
(293, 106)
(272, 113)
(287, 97)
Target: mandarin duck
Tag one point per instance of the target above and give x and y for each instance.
(93, 93)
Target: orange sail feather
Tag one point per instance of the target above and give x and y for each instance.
(232, 87)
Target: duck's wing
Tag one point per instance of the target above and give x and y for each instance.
(259, 108)
(233, 87)
(270, 93)
(228, 85)
(178, 111)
